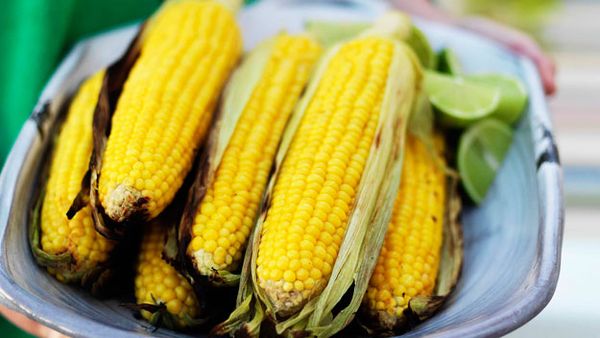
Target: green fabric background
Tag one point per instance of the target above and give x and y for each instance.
(34, 36)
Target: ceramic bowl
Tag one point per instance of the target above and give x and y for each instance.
(512, 241)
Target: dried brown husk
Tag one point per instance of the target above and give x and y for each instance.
(367, 224)
(112, 85)
(170, 219)
(98, 278)
(160, 316)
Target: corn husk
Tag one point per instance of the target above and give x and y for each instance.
(97, 278)
(368, 218)
(114, 79)
(331, 32)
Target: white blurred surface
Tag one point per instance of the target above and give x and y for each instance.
(575, 309)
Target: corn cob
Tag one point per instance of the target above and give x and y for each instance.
(227, 213)
(172, 300)
(76, 237)
(165, 108)
(408, 263)
(330, 197)
(316, 189)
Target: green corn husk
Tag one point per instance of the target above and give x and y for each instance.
(331, 32)
(368, 219)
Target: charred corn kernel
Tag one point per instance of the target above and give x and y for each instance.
(164, 111)
(241, 178)
(409, 259)
(158, 283)
(317, 185)
(69, 164)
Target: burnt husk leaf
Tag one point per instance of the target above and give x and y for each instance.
(100, 279)
(112, 85)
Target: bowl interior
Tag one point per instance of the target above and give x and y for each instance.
(502, 237)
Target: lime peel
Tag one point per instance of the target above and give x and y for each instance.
(481, 151)
(460, 102)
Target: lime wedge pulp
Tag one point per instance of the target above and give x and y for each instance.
(481, 151)
(513, 95)
(460, 102)
(448, 62)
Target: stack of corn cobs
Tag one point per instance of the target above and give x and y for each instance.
(308, 181)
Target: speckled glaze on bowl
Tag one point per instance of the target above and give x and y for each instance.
(512, 242)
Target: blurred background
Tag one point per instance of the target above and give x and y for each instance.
(35, 35)
(569, 30)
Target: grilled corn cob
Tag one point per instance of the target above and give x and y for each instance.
(408, 263)
(75, 238)
(165, 108)
(172, 300)
(317, 186)
(330, 197)
(227, 213)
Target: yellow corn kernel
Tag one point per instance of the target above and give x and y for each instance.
(408, 263)
(227, 213)
(157, 282)
(69, 164)
(166, 106)
(317, 185)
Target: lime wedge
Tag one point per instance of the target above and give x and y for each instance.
(481, 150)
(513, 95)
(459, 102)
(448, 62)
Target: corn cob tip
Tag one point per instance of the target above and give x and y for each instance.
(204, 262)
(286, 302)
(124, 203)
(394, 24)
(386, 322)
